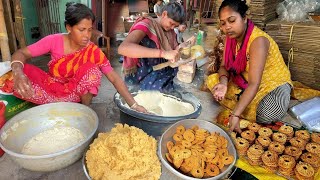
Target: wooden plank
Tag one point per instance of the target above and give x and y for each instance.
(4, 46)
(9, 26)
(18, 24)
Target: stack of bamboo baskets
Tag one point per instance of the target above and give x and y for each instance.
(299, 44)
(260, 11)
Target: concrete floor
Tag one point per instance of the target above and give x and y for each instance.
(108, 114)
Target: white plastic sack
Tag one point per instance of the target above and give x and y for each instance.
(4, 67)
(296, 10)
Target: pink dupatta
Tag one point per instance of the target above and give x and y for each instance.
(235, 65)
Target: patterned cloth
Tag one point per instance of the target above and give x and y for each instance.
(164, 40)
(69, 77)
(273, 107)
(302, 92)
(146, 78)
(139, 72)
(275, 74)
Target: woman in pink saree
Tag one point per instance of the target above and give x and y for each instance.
(76, 67)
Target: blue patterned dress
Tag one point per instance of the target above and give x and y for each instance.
(146, 78)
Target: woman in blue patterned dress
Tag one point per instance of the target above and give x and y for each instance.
(151, 42)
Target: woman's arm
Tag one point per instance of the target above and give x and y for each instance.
(189, 42)
(130, 47)
(223, 74)
(121, 87)
(43, 46)
(22, 84)
(258, 55)
(20, 55)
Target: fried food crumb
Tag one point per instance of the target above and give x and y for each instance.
(126, 152)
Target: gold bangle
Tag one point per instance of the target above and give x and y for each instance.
(223, 75)
(16, 61)
(134, 105)
(232, 114)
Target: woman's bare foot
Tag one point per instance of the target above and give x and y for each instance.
(86, 99)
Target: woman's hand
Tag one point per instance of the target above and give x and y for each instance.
(219, 91)
(234, 123)
(191, 40)
(121, 87)
(172, 55)
(188, 43)
(140, 109)
(22, 85)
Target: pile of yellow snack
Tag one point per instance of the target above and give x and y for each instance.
(286, 152)
(126, 152)
(198, 153)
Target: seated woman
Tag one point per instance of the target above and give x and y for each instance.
(151, 42)
(76, 67)
(253, 80)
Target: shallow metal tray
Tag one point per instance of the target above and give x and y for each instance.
(308, 113)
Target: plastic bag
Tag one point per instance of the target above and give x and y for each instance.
(307, 113)
(6, 83)
(296, 10)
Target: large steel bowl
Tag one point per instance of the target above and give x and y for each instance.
(22, 127)
(189, 123)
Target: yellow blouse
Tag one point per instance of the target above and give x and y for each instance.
(275, 72)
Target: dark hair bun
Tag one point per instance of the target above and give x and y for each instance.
(75, 12)
(68, 4)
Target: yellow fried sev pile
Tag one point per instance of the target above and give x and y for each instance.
(126, 152)
(198, 153)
